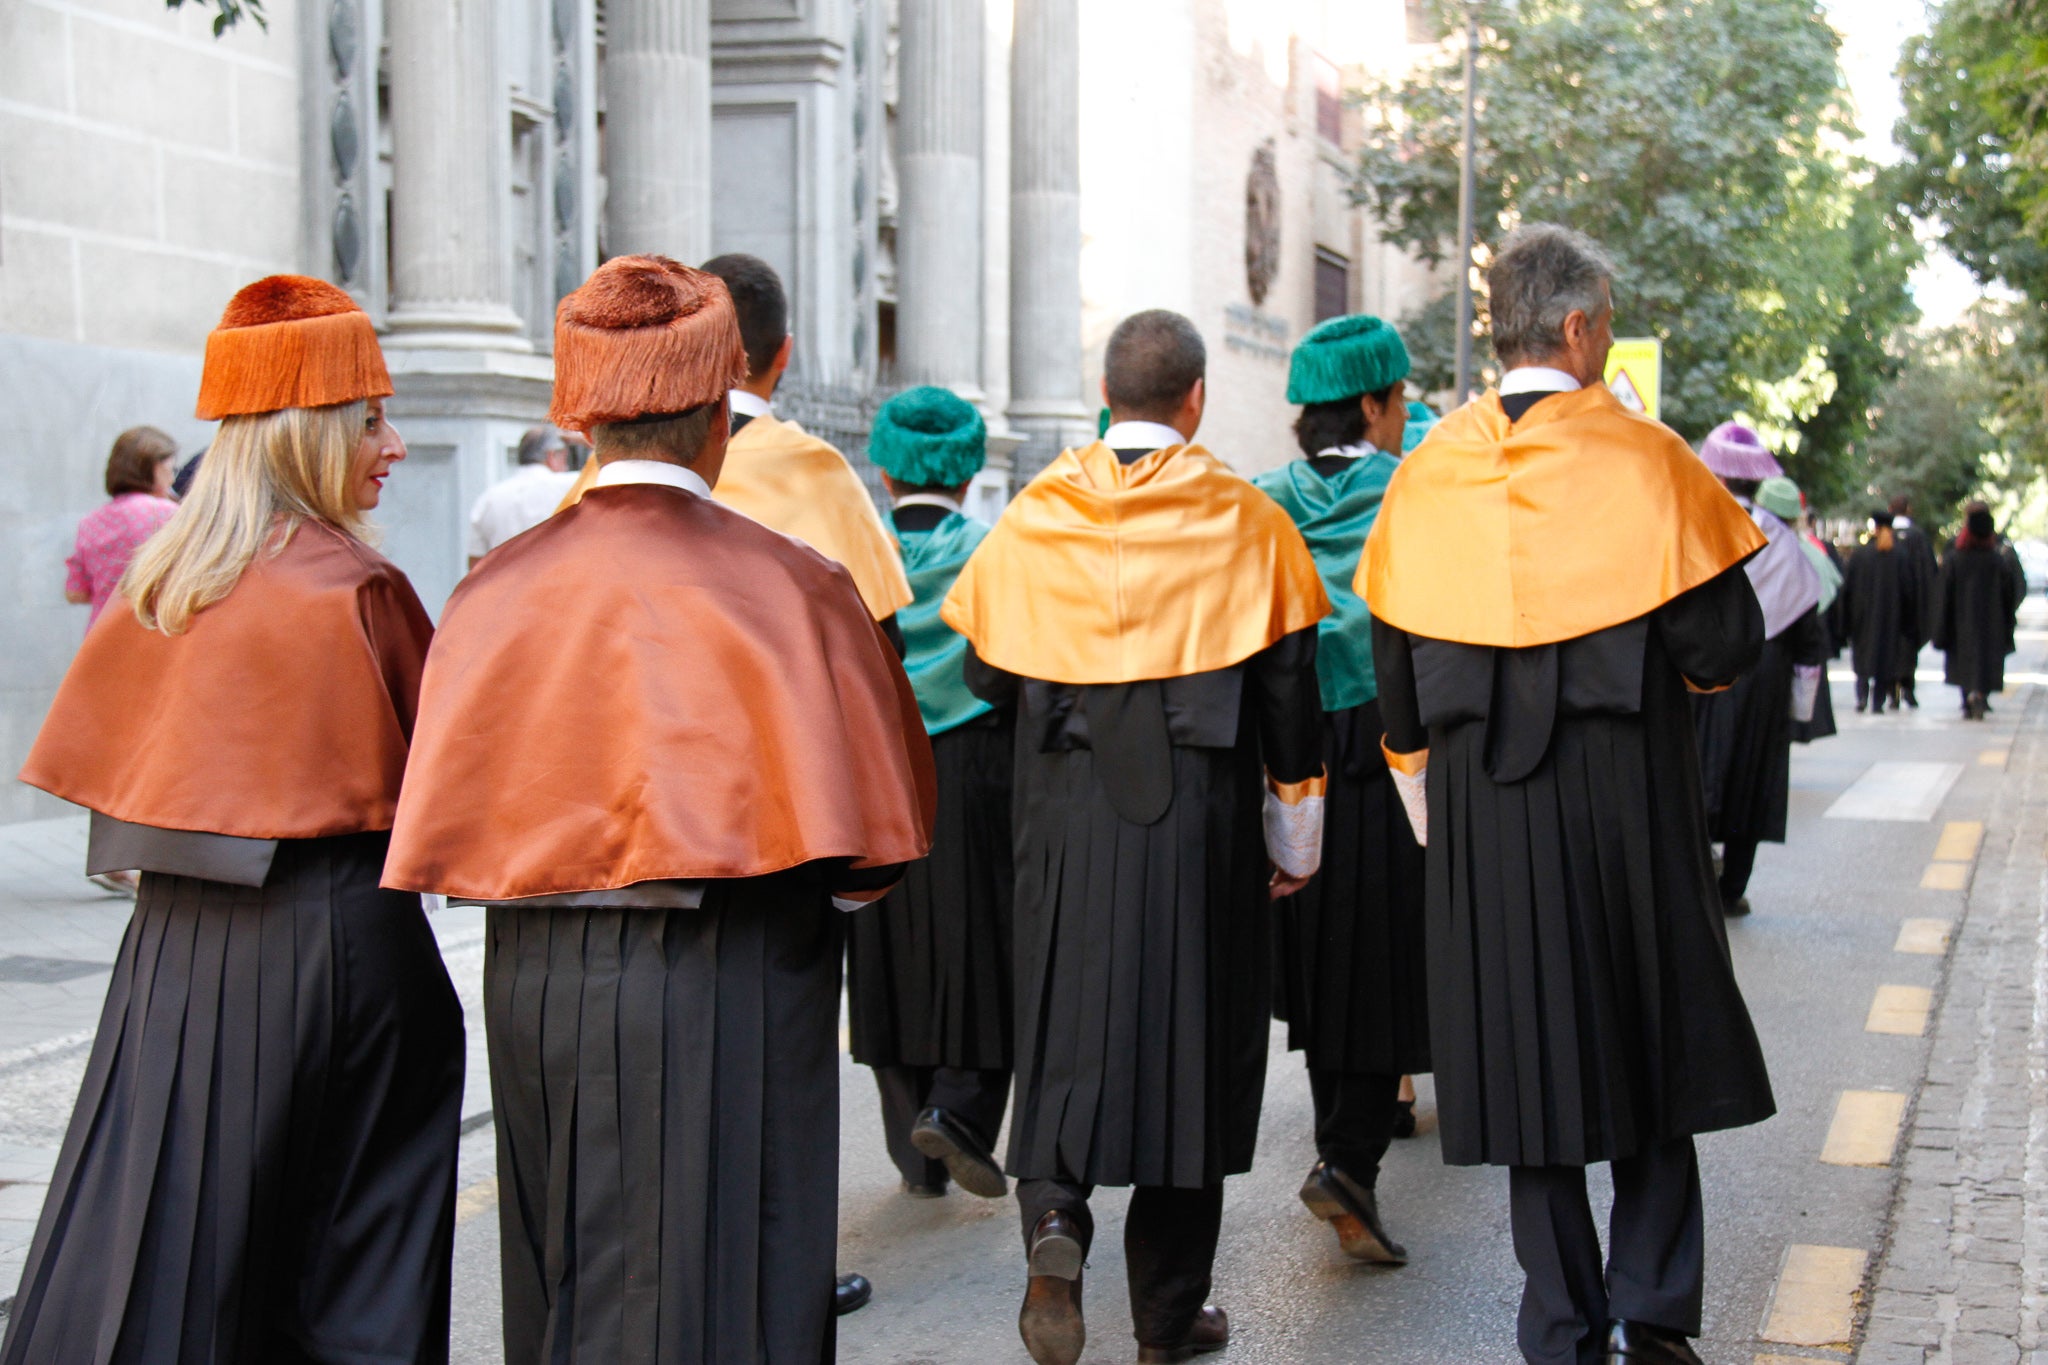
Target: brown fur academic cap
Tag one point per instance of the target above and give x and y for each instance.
(290, 341)
(644, 335)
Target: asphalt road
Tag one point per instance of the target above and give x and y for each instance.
(1828, 908)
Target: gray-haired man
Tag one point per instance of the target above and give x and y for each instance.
(1549, 575)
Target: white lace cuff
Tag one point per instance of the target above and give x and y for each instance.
(1294, 826)
(1414, 792)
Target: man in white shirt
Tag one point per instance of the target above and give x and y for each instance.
(525, 500)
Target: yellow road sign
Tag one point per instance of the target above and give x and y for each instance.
(1635, 371)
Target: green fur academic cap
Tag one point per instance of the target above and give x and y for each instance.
(1346, 357)
(1779, 497)
(929, 437)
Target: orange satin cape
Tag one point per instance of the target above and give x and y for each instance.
(282, 712)
(792, 482)
(1102, 572)
(1581, 516)
(649, 686)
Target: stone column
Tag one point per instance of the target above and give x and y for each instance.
(657, 130)
(1046, 402)
(938, 160)
(451, 266)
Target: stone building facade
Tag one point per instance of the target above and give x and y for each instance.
(963, 192)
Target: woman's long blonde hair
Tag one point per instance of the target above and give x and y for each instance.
(264, 474)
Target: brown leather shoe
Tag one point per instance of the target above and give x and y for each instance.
(1211, 1332)
(1050, 1321)
(1353, 1213)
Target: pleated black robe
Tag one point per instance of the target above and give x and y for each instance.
(1745, 736)
(261, 1165)
(1880, 593)
(928, 966)
(1976, 607)
(1143, 944)
(1582, 1004)
(667, 1089)
(1350, 946)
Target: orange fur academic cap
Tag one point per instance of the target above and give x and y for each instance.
(645, 335)
(289, 341)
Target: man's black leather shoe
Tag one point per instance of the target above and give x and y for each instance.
(940, 1136)
(1353, 1213)
(851, 1292)
(1050, 1321)
(1647, 1345)
(1211, 1332)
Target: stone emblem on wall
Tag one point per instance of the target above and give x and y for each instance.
(1262, 222)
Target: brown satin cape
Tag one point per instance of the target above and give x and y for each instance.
(282, 711)
(1102, 572)
(792, 482)
(649, 686)
(1581, 516)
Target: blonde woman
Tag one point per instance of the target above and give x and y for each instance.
(261, 1165)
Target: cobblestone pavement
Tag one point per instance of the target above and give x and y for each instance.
(1963, 1278)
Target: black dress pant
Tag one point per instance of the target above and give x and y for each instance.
(1355, 1114)
(1655, 1267)
(1169, 1248)
(975, 1098)
(1738, 861)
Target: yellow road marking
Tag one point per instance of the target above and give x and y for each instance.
(1901, 1010)
(1959, 841)
(1945, 877)
(1865, 1131)
(474, 1200)
(1992, 758)
(1927, 937)
(1815, 1301)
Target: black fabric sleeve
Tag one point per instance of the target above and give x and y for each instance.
(1944, 603)
(842, 877)
(1393, 659)
(1807, 639)
(894, 634)
(988, 682)
(1715, 633)
(1280, 684)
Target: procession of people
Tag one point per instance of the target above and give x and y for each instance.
(1074, 806)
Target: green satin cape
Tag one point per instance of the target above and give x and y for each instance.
(934, 651)
(1335, 515)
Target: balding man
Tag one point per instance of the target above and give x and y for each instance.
(525, 500)
(1153, 616)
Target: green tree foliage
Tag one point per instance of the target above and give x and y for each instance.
(228, 13)
(1933, 431)
(1975, 133)
(1701, 143)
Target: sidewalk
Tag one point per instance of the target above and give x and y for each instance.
(1963, 1276)
(59, 935)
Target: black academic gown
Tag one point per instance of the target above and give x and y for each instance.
(1920, 559)
(1976, 608)
(1348, 965)
(1582, 1004)
(1882, 603)
(1143, 939)
(1745, 738)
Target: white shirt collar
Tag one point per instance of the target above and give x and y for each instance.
(746, 404)
(1142, 436)
(929, 500)
(1537, 379)
(653, 471)
(1355, 451)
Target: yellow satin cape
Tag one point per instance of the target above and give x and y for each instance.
(790, 481)
(1581, 516)
(1102, 572)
